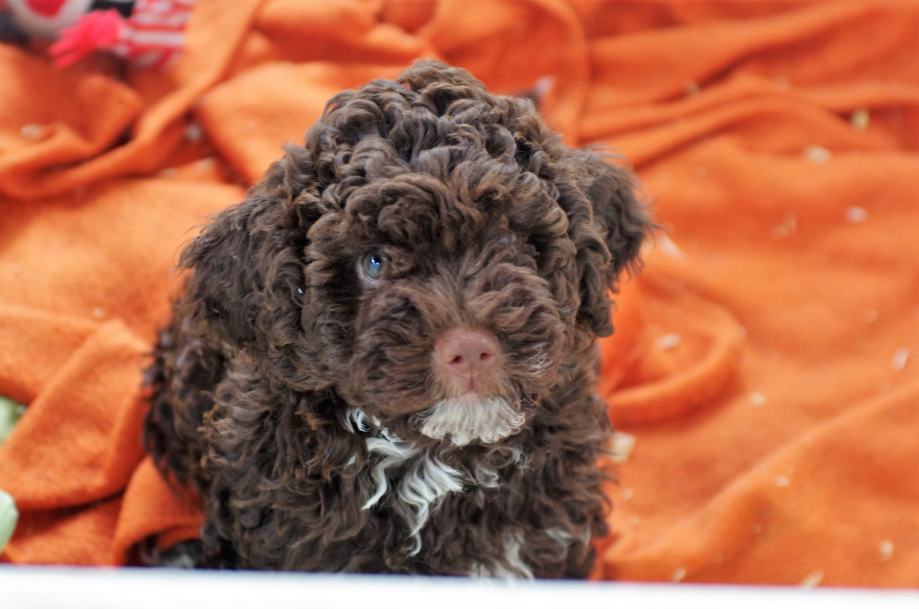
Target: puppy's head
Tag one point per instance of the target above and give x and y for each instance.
(432, 255)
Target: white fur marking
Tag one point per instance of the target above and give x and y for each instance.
(466, 419)
(512, 555)
(428, 479)
(560, 536)
(394, 452)
(422, 489)
(515, 568)
(356, 421)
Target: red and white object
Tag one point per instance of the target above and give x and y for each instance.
(146, 32)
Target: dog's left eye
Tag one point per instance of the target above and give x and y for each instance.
(372, 266)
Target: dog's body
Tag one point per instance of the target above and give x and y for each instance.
(384, 358)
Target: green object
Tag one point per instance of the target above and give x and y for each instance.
(10, 412)
(8, 518)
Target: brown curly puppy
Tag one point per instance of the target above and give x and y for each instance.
(384, 358)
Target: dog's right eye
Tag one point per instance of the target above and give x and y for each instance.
(372, 266)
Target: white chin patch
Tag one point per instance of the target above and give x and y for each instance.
(471, 418)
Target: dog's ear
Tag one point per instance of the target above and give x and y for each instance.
(246, 265)
(622, 223)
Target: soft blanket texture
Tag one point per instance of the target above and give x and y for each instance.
(765, 361)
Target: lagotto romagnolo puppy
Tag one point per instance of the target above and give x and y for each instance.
(384, 358)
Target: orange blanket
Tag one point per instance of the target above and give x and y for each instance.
(765, 361)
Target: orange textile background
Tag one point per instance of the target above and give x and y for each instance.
(765, 360)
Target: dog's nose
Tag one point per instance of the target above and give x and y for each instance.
(466, 352)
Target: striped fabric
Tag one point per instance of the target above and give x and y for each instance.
(154, 32)
(150, 36)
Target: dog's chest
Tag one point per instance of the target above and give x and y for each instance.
(413, 483)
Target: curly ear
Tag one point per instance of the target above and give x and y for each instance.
(246, 265)
(622, 222)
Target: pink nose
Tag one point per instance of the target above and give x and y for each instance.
(466, 352)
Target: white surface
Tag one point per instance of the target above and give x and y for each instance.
(29, 587)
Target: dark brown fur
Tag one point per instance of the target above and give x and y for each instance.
(487, 219)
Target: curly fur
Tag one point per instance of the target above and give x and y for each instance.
(302, 404)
